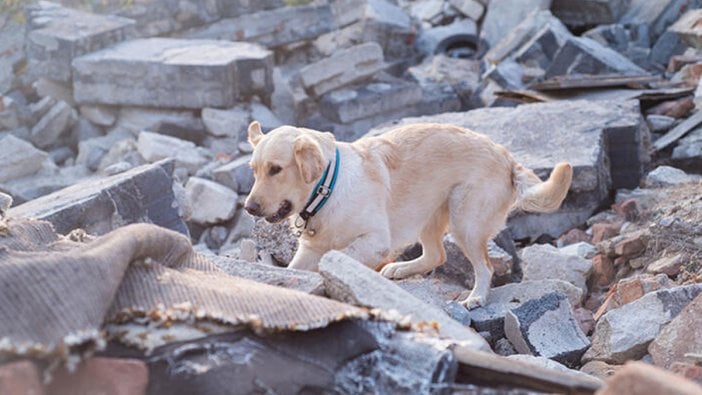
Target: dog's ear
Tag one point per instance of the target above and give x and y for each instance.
(309, 158)
(255, 133)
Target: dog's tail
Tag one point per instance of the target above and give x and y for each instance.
(541, 196)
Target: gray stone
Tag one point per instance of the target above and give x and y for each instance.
(59, 90)
(344, 67)
(40, 108)
(300, 280)
(272, 28)
(123, 151)
(9, 114)
(143, 194)
(681, 337)
(668, 45)
(347, 105)
(503, 15)
(226, 123)
(458, 267)
(655, 17)
(427, 10)
(689, 148)
(350, 281)
(19, 158)
(490, 318)
(588, 12)
(243, 227)
(154, 147)
(439, 39)
(687, 28)
(625, 332)
(212, 203)
(580, 249)
(45, 181)
(546, 327)
(473, 9)
(572, 131)
(541, 49)
(669, 265)
(544, 261)
(166, 72)
(53, 125)
(581, 55)
(275, 240)
(57, 35)
(660, 123)
(264, 116)
(84, 130)
(91, 151)
(236, 175)
(99, 115)
(665, 176)
(548, 364)
(136, 119)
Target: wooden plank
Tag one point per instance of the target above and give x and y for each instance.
(678, 131)
(482, 368)
(593, 81)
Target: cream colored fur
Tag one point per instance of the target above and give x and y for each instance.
(412, 183)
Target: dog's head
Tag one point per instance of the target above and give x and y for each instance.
(287, 163)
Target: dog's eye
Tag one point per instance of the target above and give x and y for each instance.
(274, 170)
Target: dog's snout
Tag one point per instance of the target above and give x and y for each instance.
(253, 208)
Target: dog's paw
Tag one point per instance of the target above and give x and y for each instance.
(473, 302)
(398, 270)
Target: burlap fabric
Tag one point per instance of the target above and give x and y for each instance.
(56, 294)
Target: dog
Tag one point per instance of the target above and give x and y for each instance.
(375, 196)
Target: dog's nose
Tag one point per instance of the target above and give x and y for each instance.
(253, 208)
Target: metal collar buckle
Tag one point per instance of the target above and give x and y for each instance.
(323, 190)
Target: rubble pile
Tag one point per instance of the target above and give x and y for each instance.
(114, 113)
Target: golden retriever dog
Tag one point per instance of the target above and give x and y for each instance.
(412, 183)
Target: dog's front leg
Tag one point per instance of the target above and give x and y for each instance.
(305, 258)
(371, 249)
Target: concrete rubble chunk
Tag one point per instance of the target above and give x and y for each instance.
(154, 147)
(665, 176)
(683, 335)
(347, 105)
(503, 15)
(19, 158)
(589, 12)
(573, 131)
(350, 281)
(541, 49)
(136, 119)
(275, 240)
(654, 17)
(546, 327)
(236, 175)
(473, 9)
(91, 151)
(344, 67)
(175, 73)
(626, 332)
(143, 194)
(582, 249)
(57, 35)
(226, 123)
(212, 202)
(440, 38)
(300, 280)
(639, 378)
(689, 148)
(272, 28)
(53, 125)
(669, 265)
(582, 55)
(544, 261)
(99, 115)
(687, 27)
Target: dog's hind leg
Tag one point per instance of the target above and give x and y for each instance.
(433, 252)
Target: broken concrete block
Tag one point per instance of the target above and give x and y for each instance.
(57, 35)
(503, 15)
(19, 158)
(226, 123)
(91, 151)
(683, 335)
(47, 180)
(136, 119)
(272, 28)
(59, 90)
(427, 10)
(582, 249)
(544, 261)
(154, 147)
(473, 9)
(625, 333)
(490, 318)
(347, 105)
(665, 176)
(9, 114)
(344, 67)
(212, 202)
(687, 27)
(546, 327)
(689, 148)
(588, 12)
(573, 131)
(581, 55)
(668, 45)
(236, 175)
(99, 115)
(300, 280)
(669, 265)
(541, 49)
(439, 39)
(350, 281)
(53, 125)
(275, 240)
(143, 194)
(177, 73)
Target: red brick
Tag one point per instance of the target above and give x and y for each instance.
(104, 376)
(602, 273)
(679, 108)
(605, 230)
(573, 236)
(631, 246)
(629, 209)
(628, 290)
(20, 378)
(638, 378)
